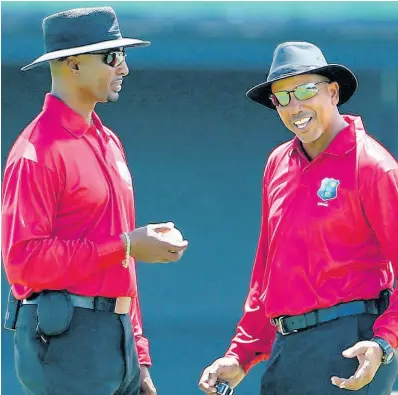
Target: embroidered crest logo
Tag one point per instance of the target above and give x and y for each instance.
(328, 189)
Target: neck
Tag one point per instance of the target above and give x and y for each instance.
(74, 101)
(318, 146)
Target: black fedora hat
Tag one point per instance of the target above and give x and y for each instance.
(79, 31)
(296, 58)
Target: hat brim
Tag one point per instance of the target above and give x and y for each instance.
(121, 42)
(346, 79)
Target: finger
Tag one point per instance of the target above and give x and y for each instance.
(211, 380)
(147, 387)
(169, 257)
(151, 387)
(351, 383)
(357, 349)
(337, 380)
(204, 383)
(213, 377)
(150, 391)
(205, 377)
(176, 245)
(175, 256)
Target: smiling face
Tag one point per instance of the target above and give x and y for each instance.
(310, 119)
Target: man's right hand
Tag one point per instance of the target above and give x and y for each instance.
(222, 369)
(148, 245)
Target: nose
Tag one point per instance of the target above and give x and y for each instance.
(123, 69)
(295, 105)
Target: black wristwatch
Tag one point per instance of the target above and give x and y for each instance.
(388, 351)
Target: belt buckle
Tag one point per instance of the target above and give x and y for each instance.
(279, 322)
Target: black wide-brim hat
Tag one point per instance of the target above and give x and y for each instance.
(297, 58)
(82, 30)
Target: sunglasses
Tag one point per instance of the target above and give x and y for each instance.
(113, 58)
(301, 92)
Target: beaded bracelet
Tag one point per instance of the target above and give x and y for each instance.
(125, 262)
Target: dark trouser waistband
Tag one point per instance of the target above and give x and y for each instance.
(119, 305)
(291, 324)
(303, 363)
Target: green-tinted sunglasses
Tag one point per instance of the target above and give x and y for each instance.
(301, 92)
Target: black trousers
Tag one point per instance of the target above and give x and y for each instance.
(303, 363)
(96, 355)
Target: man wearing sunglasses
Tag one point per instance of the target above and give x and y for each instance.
(69, 240)
(321, 307)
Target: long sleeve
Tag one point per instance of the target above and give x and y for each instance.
(380, 200)
(142, 342)
(255, 334)
(33, 256)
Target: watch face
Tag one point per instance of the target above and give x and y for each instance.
(224, 389)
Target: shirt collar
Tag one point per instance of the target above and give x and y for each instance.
(345, 141)
(73, 122)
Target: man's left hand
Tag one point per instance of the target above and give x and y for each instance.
(369, 355)
(146, 384)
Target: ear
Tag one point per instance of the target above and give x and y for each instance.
(334, 91)
(73, 64)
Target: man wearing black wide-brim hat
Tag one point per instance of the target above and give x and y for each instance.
(321, 307)
(68, 224)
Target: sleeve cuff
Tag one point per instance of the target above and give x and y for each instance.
(255, 361)
(110, 252)
(240, 355)
(247, 365)
(143, 352)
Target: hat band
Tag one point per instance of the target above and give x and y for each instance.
(284, 71)
(61, 41)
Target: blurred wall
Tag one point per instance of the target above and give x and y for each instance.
(196, 148)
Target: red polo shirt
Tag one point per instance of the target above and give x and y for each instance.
(67, 196)
(328, 235)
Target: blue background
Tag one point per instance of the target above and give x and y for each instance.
(196, 146)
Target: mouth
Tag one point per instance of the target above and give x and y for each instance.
(302, 123)
(116, 85)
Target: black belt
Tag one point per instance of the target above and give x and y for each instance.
(290, 324)
(99, 303)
